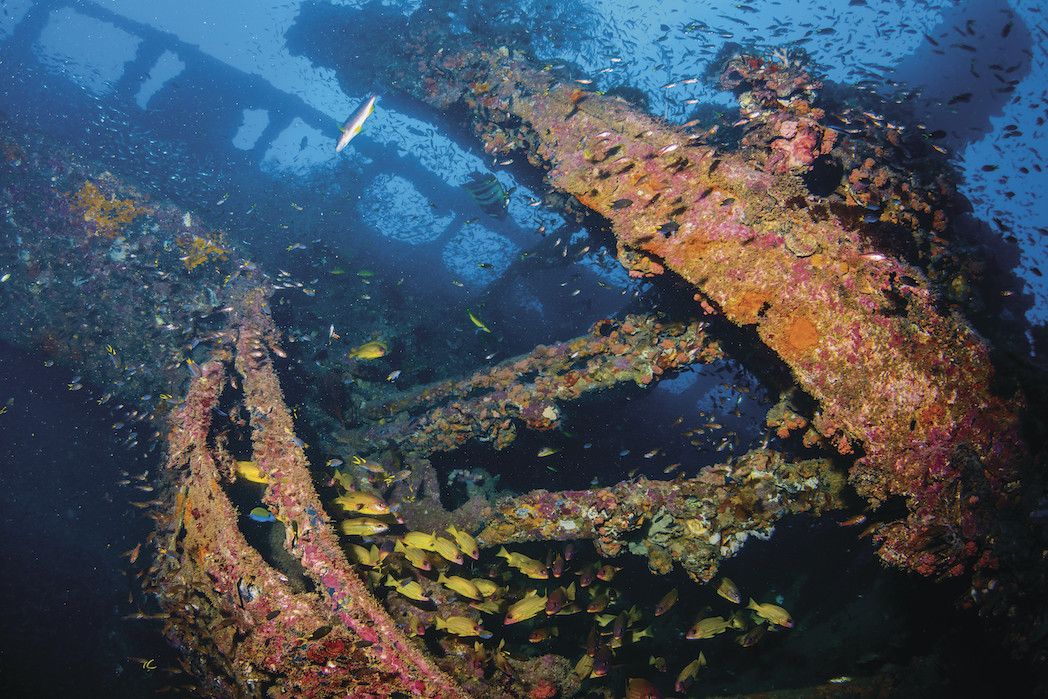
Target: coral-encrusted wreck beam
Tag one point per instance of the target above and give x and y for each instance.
(309, 536)
(860, 330)
(693, 521)
(486, 405)
(241, 626)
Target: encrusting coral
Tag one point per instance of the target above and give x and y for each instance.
(108, 215)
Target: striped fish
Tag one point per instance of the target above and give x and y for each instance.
(489, 193)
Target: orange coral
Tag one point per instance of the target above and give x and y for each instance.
(745, 310)
(801, 334)
(110, 215)
(199, 250)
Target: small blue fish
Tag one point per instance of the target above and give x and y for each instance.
(261, 514)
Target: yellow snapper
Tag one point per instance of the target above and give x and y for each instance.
(362, 503)
(462, 626)
(410, 589)
(363, 526)
(708, 627)
(355, 122)
(584, 666)
(462, 586)
(447, 549)
(771, 612)
(640, 688)
(637, 635)
(465, 541)
(526, 608)
(543, 634)
(687, 675)
(367, 557)
(420, 540)
(248, 470)
(369, 350)
(533, 569)
(488, 588)
(666, 603)
(488, 606)
(416, 557)
(343, 479)
(729, 591)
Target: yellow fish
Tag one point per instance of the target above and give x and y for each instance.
(637, 635)
(416, 557)
(728, 591)
(344, 480)
(640, 688)
(367, 557)
(420, 540)
(687, 675)
(462, 586)
(772, 612)
(447, 549)
(543, 634)
(708, 627)
(249, 471)
(488, 588)
(369, 466)
(526, 608)
(547, 451)
(410, 589)
(666, 603)
(488, 606)
(462, 626)
(533, 569)
(477, 321)
(584, 666)
(362, 503)
(363, 526)
(465, 542)
(369, 350)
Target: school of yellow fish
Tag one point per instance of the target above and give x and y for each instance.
(528, 589)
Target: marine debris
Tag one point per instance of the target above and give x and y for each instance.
(489, 405)
(205, 558)
(899, 381)
(902, 384)
(691, 521)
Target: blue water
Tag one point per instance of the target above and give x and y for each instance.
(231, 110)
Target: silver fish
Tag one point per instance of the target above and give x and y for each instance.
(355, 122)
